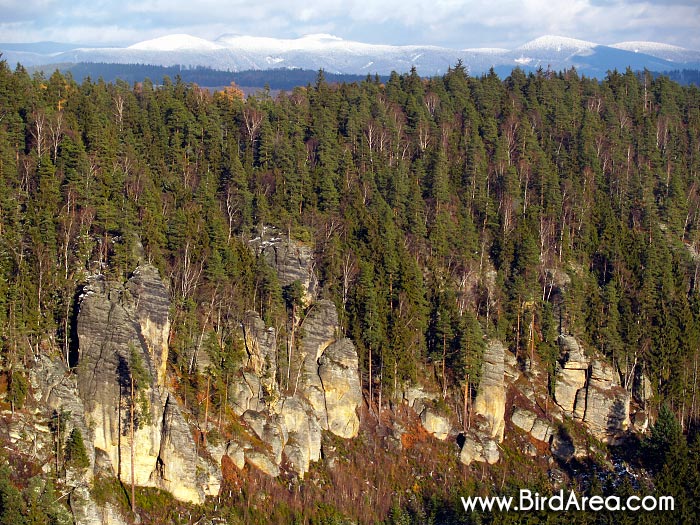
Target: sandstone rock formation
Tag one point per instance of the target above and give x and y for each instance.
(490, 400)
(588, 390)
(537, 427)
(292, 260)
(121, 329)
(435, 423)
(572, 376)
(326, 392)
(338, 371)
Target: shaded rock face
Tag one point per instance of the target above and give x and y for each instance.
(607, 407)
(293, 260)
(490, 402)
(117, 327)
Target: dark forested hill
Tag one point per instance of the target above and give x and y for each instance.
(437, 211)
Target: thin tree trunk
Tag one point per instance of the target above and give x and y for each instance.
(206, 412)
(370, 378)
(133, 480)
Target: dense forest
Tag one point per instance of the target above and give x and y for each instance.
(275, 79)
(438, 210)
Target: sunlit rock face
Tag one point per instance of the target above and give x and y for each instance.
(490, 402)
(324, 393)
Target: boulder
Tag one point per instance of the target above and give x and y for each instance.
(263, 462)
(480, 448)
(304, 434)
(528, 421)
(435, 424)
(236, 452)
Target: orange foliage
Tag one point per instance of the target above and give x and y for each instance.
(231, 93)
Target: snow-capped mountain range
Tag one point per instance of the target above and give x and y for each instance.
(335, 55)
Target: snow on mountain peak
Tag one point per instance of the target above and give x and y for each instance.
(658, 50)
(557, 43)
(176, 42)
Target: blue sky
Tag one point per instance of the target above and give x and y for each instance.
(450, 23)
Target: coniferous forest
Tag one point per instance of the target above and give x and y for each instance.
(438, 210)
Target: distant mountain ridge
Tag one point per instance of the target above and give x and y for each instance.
(336, 55)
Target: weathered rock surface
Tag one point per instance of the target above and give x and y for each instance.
(328, 372)
(607, 405)
(319, 329)
(261, 347)
(246, 393)
(262, 462)
(537, 427)
(490, 402)
(327, 393)
(479, 447)
(151, 311)
(338, 371)
(304, 434)
(588, 390)
(572, 376)
(435, 423)
(293, 260)
(122, 328)
(176, 465)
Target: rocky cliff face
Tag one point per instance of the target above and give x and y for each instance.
(586, 390)
(292, 260)
(325, 394)
(481, 443)
(122, 329)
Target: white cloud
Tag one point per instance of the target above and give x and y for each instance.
(455, 23)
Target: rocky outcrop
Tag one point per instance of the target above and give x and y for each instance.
(490, 402)
(572, 376)
(435, 423)
(607, 405)
(588, 390)
(338, 371)
(122, 335)
(261, 349)
(537, 427)
(292, 260)
(304, 434)
(327, 392)
(481, 443)
(150, 310)
(176, 464)
(479, 447)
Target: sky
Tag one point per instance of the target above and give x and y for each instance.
(450, 23)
